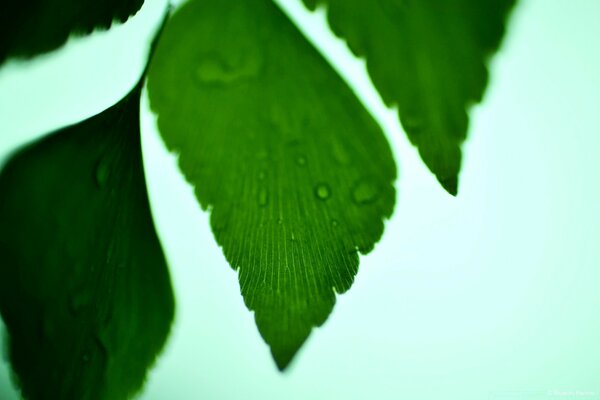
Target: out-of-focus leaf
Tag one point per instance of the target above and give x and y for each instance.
(32, 27)
(428, 57)
(296, 173)
(84, 288)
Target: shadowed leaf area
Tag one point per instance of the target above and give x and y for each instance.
(84, 288)
(428, 57)
(297, 175)
(31, 27)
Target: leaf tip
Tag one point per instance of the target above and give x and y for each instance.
(450, 184)
(282, 358)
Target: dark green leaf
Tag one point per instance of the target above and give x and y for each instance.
(428, 57)
(84, 287)
(297, 175)
(31, 27)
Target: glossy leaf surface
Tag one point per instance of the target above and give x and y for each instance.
(296, 174)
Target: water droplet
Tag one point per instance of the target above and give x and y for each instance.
(80, 300)
(280, 221)
(263, 197)
(365, 192)
(301, 161)
(322, 191)
(102, 173)
(217, 69)
(262, 175)
(293, 237)
(334, 223)
(85, 358)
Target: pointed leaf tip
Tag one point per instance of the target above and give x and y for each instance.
(450, 185)
(283, 360)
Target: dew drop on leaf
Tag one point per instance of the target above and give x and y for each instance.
(322, 191)
(364, 192)
(263, 197)
(79, 301)
(102, 173)
(301, 161)
(215, 69)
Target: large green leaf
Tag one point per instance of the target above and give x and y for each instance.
(297, 175)
(31, 27)
(428, 57)
(84, 287)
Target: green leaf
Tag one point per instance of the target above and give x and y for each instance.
(84, 287)
(428, 57)
(32, 27)
(297, 175)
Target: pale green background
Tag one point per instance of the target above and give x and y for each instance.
(491, 295)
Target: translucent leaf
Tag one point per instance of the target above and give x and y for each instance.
(297, 175)
(84, 287)
(428, 57)
(31, 27)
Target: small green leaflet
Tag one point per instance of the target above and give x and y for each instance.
(84, 288)
(32, 27)
(297, 175)
(428, 57)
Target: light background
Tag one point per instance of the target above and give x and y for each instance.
(490, 295)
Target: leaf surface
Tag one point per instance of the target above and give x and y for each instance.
(32, 27)
(84, 287)
(428, 57)
(297, 175)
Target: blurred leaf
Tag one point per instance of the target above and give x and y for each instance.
(428, 57)
(84, 287)
(296, 173)
(32, 27)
